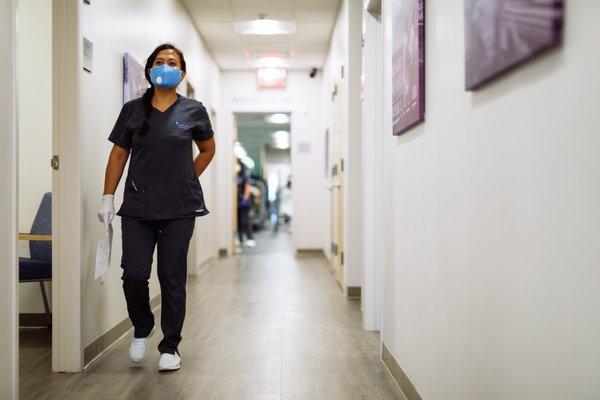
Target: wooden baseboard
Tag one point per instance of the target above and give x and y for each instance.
(408, 390)
(309, 253)
(104, 342)
(33, 320)
(354, 292)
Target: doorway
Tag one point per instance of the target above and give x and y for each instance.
(35, 245)
(58, 105)
(263, 192)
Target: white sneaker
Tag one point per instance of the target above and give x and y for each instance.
(250, 243)
(138, 351)
(169, 362)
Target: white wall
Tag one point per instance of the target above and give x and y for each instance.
(115, 27)
(9, 338)
(35, 127)
(301, 97)
(346, 52)
(492, 222)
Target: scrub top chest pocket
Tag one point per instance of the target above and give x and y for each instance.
(161, 182)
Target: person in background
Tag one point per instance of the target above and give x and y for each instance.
(244, 201)
(285, 206)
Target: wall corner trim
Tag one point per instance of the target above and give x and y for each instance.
(407, 389)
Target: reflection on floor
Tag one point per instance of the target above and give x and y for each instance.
(264, 326)
(268, 241)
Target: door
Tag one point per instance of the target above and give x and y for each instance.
(337, 179)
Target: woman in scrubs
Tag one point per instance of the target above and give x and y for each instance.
(162, 197)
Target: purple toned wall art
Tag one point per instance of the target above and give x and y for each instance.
(134, 79)
(501, 34)
(408, 64)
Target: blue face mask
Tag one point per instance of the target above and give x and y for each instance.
(165, 76)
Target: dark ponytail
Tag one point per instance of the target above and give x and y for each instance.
(147, 97)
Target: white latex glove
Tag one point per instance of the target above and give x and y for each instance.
(107, 209)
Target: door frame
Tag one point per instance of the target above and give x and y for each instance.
(9, 301)
(67, 350)
(266, 108)
(373, 139)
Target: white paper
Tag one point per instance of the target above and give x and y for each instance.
(103, 253)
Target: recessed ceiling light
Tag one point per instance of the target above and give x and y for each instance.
(278, 118)
(267, 62)
(238, 150)
(281, 135)
(249, 162)
(254, 55)
(265, 27)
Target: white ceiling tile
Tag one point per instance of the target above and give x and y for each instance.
(315, 3)
(243, 14)
(264, 4)
(214, 15)
(308, 47)
(326, 15)
(312, 31)
(197, 4)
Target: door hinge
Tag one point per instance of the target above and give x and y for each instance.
(54, 162)
(342, 258)
(362, 40)
(342, 164)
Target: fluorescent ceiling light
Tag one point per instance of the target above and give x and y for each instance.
(254, 55)
(282, 145)
(239, 150)
(248, 162)
(278, 118)
(265, 27)
(281, 135)
(281, 139)
(270, 62)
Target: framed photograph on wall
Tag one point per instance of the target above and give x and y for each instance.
(408, 64)
(134, 79)
(503, 34)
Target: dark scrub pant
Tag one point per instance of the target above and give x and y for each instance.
(244, 223)
(172, 237)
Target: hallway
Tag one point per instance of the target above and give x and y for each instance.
(264, 326)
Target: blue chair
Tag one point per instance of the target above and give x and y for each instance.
(38, 268)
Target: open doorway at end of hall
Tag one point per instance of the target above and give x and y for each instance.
(263, 176)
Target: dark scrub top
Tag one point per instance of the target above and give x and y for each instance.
(241, 188)
(161, 182)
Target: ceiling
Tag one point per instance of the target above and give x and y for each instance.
(314, 20)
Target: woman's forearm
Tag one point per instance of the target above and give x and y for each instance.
(114, 169)
(202, 161)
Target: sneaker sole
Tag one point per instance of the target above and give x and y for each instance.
(169, 369)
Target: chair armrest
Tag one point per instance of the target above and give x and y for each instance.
(29, 236)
